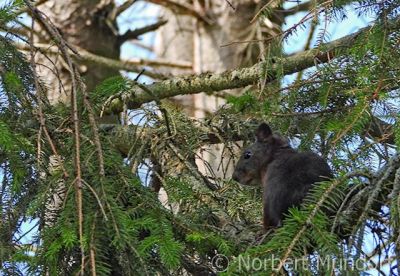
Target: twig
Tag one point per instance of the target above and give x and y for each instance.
(308, 45)
(162, 109)
(269, 3)
(142, 45)
(308, 16)
(120, 9)
(299, 114)
(93, 260)
(191, 168)
(230, 4)
(97, 198)
(386, 172)
(300, 7)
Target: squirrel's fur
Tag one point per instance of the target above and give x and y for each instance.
(285, 174)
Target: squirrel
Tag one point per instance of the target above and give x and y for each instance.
(285, 174)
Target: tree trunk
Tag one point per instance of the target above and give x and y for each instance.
(81, 23)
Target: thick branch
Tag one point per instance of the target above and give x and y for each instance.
(237, 78)
(133, 34)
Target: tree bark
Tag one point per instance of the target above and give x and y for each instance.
(81, 23)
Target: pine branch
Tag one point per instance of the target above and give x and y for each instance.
(382, 177)
(63, 46)
(239, 78)
(123, 135)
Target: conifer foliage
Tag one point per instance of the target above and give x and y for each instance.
(86, 193)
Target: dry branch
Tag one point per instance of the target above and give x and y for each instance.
(134, 34)
(120, 9)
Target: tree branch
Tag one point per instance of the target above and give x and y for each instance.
(133, 34)
(380, 130)
(237, 78)
(129, 65)
(300, 7)
(123, 136)
(120, 9)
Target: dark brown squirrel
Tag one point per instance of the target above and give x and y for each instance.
(285, 174)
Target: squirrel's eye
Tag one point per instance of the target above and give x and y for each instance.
(247, 154)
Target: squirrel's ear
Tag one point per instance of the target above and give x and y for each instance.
(263, 132)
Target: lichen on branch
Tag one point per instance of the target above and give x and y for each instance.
(237, 78)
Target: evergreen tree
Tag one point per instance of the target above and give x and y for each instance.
(91, 187)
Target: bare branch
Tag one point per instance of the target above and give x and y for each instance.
(120, 9)
(269, 4)
(230, 5)
(300, 7)
(160, 63)
(134, 34)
